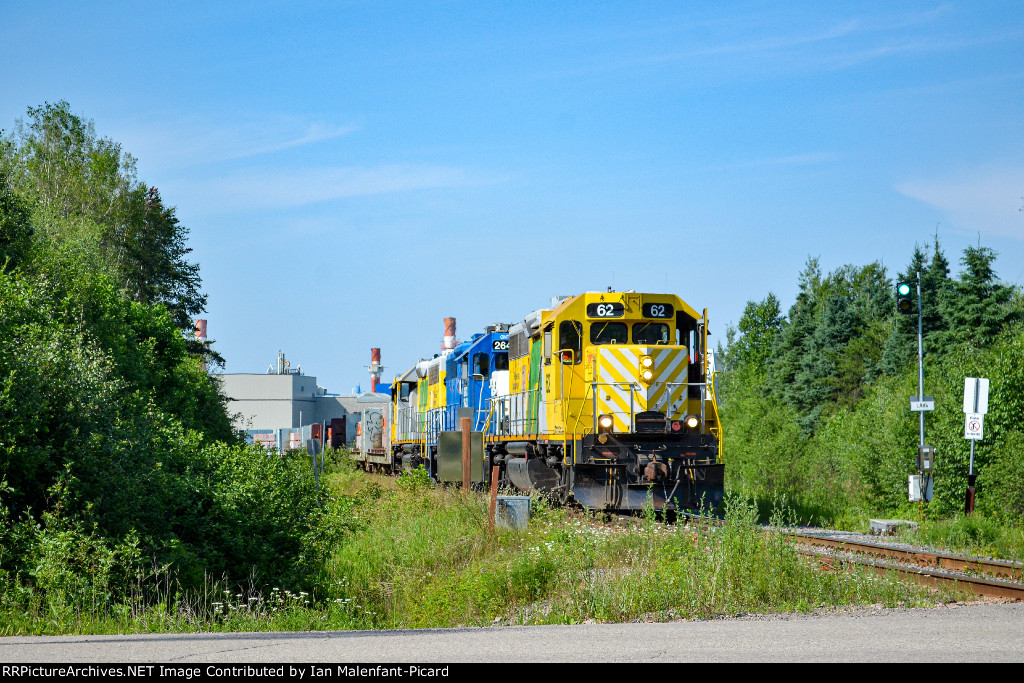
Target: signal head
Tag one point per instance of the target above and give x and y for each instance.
(904, 302)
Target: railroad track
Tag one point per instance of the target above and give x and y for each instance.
(988, 578)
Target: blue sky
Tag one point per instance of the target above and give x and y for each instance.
(354, 172)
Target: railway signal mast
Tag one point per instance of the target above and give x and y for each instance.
(920, 485)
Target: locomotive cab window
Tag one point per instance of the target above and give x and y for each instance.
(650, 333)
(570, 337)
(609, 333)
(481, 365)
(500, 362)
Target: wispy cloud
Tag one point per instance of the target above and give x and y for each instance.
(285, 189)
(315, 132)
(777, 43)
(986, 200)
(191, 141)
(781, 39)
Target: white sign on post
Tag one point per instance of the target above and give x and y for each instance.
(918, 405)
(974, 426)
(975, 395)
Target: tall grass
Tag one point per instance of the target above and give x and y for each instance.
(426, 560)
(416, 556)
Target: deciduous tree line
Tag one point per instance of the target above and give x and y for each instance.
(117, 454)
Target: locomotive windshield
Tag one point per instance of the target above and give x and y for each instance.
(481, 365)
(570, 333)
(650, 333)
(609, 333)
(500, 362)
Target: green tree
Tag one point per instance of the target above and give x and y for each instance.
(85, 191)
(160, 272)
(832, 342)
(759, 328)
(936, 287)
(979, 306)
(61, 163)
(15, 226)
(794, 342)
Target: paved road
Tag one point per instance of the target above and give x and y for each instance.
(989, 633)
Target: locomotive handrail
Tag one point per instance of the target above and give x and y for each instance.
(487, 422)
(405, 422)
(703, 396)
(580, 415)
(564, 400)
(707, 388)
(718, 422)
(442, 419)
(515, 408)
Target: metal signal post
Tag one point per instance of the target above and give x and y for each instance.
(921, 485)
(920, 355)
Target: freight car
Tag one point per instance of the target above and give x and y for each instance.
(605, 399)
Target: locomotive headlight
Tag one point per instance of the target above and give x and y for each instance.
(604, 423)
(646, 368)
(692, 422)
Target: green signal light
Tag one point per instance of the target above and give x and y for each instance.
(904, 302)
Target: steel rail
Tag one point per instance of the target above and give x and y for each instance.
(999, 569)
(977, 585)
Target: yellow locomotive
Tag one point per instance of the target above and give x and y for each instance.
(605, 398)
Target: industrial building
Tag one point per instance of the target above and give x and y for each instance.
(282, 407)
(276, 407)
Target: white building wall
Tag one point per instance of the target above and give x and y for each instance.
(261, 401)
(270, 401)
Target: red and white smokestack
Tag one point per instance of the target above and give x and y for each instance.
(201, 336)
(449, 334)
(375, 368)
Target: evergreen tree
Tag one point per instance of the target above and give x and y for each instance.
(936, 287)
(814, 386)
(794, 340)
(978, 306)
(866, 293)
(833, 341)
